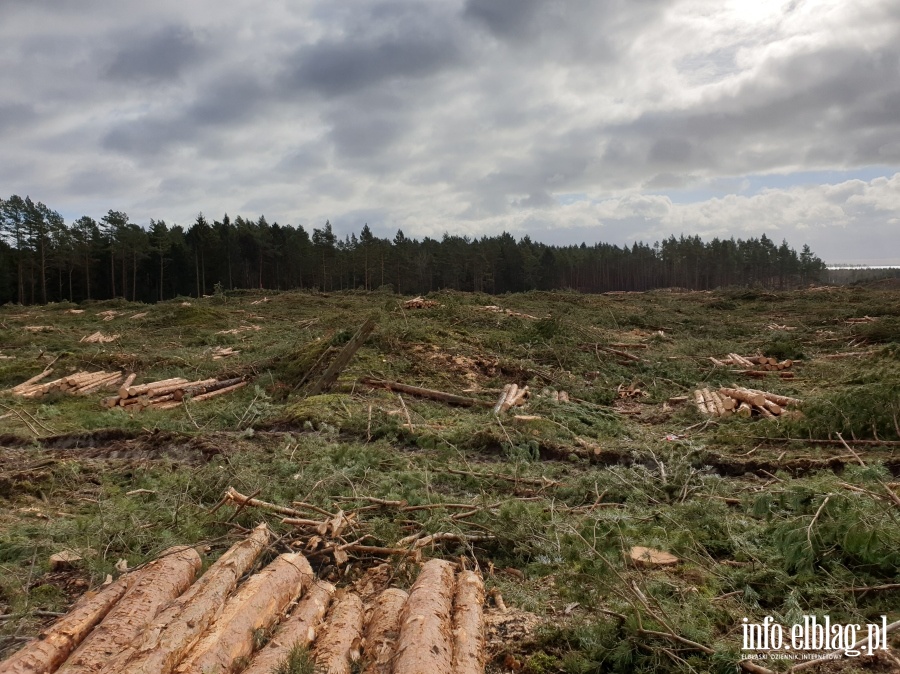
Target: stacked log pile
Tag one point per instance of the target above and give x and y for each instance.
(80, 383)
(420, 303)
(744, 402)
(756, 366)
(167, 394)
(158, 619)
(511, 396)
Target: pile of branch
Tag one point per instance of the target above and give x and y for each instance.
(221, 352)
(756, 366)
(744, 402)
(420, 303)
(494, 308)
(159, 619)
(98, 338)
(80, 383)
(237, 331)
(167, 394)
(858, 321)
(324, 533)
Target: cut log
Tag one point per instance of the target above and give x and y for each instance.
(172, 388)
(255, 606)
(157, 584)
(197, 391)
(382, 630)
(28, 382)
(55, 644)
(298, 630)
(123, 389)
(502, 398)
(714, 401)
(425, 393)
(641, 556)
(784, 401)
(98, 384)
(744, 395)
(510, 396)
(468, 624)
(142, 389)
(744, 410)
(700, 402)
(219, 392)
(339, 645)
(426, 641)
(563, 397)
(167, 639)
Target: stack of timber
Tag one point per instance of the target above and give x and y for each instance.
(511, 396)
(757, 366)
(167, 394)
(79, 383)
(98, 338)
(420, 303)
(159, 619)
(509, 312)
(744, 402)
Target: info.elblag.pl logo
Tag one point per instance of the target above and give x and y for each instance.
(814, 634)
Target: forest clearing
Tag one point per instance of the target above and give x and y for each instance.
(538, 482)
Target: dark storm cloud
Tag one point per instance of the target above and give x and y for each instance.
(153, 58)
(332, 68)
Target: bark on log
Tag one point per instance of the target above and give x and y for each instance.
(744, 396)
(343, 358)
(218, 392)
(382, 630)
(713, 403)
(172, 388)
(784, 401)
(339, 644)
(298, 630)
(426, 641)
(134, 391)
(468, 624)
(157, 584)
(255, 606)
(207, 388)
(510, 396)
(98, 384)
(174, 631)
(700, 402)
(29, 382)
(425, 393)
(55, 644)
(502, 398)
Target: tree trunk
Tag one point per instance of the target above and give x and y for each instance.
(159, 583)
(426, 640)
(173, 632)
(57, 642)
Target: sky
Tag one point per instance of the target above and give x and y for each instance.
(564, 120)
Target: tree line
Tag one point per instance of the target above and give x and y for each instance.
(44, 259)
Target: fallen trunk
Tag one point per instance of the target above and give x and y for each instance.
(426, 642)
(339, 644)
(55, 644)
(468, 624)
(218, 392)
(382, 631)
(298, 630)
(255, 606)
(425, 393)
(174, 631)
(157, 584)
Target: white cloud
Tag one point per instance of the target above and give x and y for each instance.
(468, 116)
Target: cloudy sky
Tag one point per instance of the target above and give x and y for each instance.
(568, 120)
